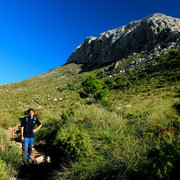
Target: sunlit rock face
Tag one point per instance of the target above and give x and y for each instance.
(157, 30)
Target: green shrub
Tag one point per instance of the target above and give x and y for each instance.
(162, 157)
(66, 114)
(144, 74)
(49, 130)
(14, 112)
(83, 94)
(120, 84)
(3, 171)
(128, 72)
(101, 94)
(174, 54)
(71, 87)
(9, 154)
(110, 83)
(176, 106)
(73, 141)
(60, 89)
(164, 161)
(175, 121)
(129, 84)
(93, 87)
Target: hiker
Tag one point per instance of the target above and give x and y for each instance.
(27, 134)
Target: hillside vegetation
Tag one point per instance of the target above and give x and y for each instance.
(104, 124)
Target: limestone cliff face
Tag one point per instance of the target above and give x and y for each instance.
(157, 30)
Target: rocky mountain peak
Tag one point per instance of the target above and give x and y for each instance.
(156, 30)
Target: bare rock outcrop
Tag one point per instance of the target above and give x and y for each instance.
(157, 30)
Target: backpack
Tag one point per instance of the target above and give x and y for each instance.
(26, 122)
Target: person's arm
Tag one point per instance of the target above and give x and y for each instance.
(35, 130)
(22, 137)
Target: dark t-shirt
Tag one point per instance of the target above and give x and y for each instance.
(28, 132)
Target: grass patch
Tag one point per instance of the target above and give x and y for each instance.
(131, 133)
(10, 157)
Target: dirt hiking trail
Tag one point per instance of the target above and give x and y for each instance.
(41, 167)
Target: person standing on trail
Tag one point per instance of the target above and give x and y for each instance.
(27, 134)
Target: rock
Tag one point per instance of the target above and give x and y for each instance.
(48, 159)
(152, 33)
(135, 62)
(122, 71)
(116, 65)
(39, 160)
(19, 144)
(42, 159)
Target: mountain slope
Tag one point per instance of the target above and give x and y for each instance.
(150, 33)
(60, 87)
(127, 134)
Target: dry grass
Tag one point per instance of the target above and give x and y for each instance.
(118, 131)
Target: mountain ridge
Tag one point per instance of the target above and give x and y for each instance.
(154, 31)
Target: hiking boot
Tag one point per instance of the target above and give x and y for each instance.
(30, 160)
(24, 163)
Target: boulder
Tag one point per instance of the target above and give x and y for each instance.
(42, 159)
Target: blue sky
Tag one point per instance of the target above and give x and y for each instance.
(39, 35)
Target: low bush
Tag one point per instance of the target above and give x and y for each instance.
(60, 89)
(74, 142)
(110, 83)
(94, 88)
(120, 84)
(66, 114)
(15, 112)
(71, 87)
(163, 157)
(49, 130)
(10, 156)
(92, 85)
(3, 171)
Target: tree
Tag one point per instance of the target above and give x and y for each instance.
(94, 87)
